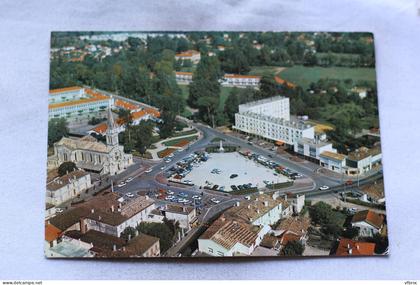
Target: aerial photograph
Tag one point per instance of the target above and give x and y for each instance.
(213, 144)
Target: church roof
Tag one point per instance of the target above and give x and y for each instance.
(85, 143)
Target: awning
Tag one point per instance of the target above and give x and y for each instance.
(279, 143)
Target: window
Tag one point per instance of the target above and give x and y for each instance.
(220, 253)
(210, 250)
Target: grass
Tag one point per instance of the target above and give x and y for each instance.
(176, 141)
(261, 70)
(305, 75)
(279, 185)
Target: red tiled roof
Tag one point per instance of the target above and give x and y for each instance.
(282, 81)
(369, 217)
(51, 232)
(94, 96)
(350, 247)
(125, 105)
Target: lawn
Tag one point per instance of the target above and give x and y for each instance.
(261, 70)
(304, 75)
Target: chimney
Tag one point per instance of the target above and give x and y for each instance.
(348, 245)
(357, 246)
(129, 237)
(184, 209)
(249, 206)
(256, 199)
(82, 226)
(350, 251)
(119, 205)
(123, 248)
(147, 197)
(285, 197)
(99, 218)
(258, 211)
(237, 204)
(112, 208)
(92, 210)
(265, 203)
(114, 247)
(136, 233)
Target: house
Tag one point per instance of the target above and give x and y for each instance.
(292, 229)
(68, 247)
(52, 235)
(311, 148)
(239, 80)
(67, 187)
(363, 160)
(192, 55)
(332, 161)
(182, 77)
(368, 222)
(348, 247)
(184, 215)
(107, 213)
(242, 228)
(226, 237)
(105, 245)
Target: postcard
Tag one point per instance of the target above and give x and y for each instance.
(213, 144)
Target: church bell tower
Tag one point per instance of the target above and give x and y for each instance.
(111, 132)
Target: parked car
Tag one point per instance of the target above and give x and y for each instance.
(129, 195)
(121, 184)
(324, 187)
(129, 179)
(169, 192)
(234, 187)
(59, 210)
(149, 170)
(233, 176)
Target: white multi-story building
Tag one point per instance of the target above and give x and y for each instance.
(72, 102)
(270, 118)
(333, 161)
(67, 187)
(312, 148)
(182, 77)
(277, 107)
(363, 160)
(238, 80)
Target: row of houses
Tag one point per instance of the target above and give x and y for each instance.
(246, 227)
(229, 80)
(95, 227)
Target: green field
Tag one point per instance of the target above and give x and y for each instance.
(176, 141)
(269, 70)
(304, 75)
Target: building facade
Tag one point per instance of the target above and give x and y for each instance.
(192, 55)
(73, 102)
(276, 107)
(311, 149)
(67, 187)
(238, 80)
(333, 161)
(92, 155)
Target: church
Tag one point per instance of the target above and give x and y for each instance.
(92, 155)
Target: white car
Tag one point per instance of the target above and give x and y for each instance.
(149, 170)
(171, 155)
(168, 160)
(162, 168)
(169, 192)
(121, 184)
(216, 201)
(129, 195)
(59, 210)
(129, 179)
(324, 187)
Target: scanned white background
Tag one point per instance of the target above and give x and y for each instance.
(24, 67)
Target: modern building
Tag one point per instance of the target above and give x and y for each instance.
(363, 160)
(239, 80)
(276, 107)
(333, 161)
(90, 154)
(368, 222)
(311, 149)
(192, 55)
(272, 128)
(74, 102)
(270, 119)
(109, 214)
(67, 187)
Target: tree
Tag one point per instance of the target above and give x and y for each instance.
(142, 136)
(159, 230)
(350, 232)
(128, 233)
(231, 105)
(57, 128)
(323, 214)
(293, 248)
(167, 126)
(66, 167)
(268, 87)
